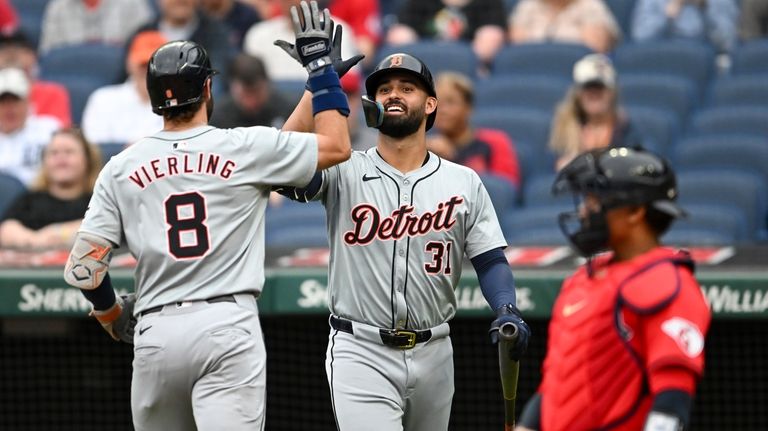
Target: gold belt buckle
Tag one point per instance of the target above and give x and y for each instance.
(411, 338)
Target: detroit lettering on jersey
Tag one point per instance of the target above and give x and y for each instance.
(201, 163)
(370, 225)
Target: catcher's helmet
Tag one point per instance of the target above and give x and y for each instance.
(401, 62)
(622, 176)
(176, 75)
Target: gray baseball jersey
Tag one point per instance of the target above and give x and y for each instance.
(190, 207)
(397, 241)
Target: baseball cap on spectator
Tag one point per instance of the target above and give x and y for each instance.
(144, 45)
(350, 82)
(14, 81)
(594, 69)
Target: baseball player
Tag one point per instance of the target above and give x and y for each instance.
(189, 204)
(626, 339)
(400, 220)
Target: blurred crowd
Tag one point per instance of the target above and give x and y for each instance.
(59, 125)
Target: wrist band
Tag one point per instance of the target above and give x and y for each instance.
(327, 93)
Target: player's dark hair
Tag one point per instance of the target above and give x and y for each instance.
(184, 113)
(658, 221)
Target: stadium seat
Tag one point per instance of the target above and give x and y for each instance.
(731, 120)
(545, 236)
(538, 192)
(31, 17)
(542, 59)
(527, 125)
(297, 236)
(727, 220)
(103, 64)
(438, 55)
(534, 159)
(291, 89)
(751, 90)
(665, 92)
(681, 58)
(751, 58)
(109, 149)
(622, 11)
(10, 189)
(290, 214)
(502, 192)
(522, 91)
(79, 88)
(737, 152)
(659, 126)
(684, 236)
(536, 217)
(727, 188)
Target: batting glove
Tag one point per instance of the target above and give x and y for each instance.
(313, 37)
(510, 314)
(118, 320)
(339, 65)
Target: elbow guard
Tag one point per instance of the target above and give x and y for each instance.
(88, 261)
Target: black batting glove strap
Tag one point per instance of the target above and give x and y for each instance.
(313, 38)
(508, 313)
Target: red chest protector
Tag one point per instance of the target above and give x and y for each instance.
(594, 372)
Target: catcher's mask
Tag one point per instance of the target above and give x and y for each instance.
(399, 62)
(615, 177)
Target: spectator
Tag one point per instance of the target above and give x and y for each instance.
(252, 101)
(22, 134)
(182, 20)
(753, 22)
(9, 19)
(45, 97)
(280, 66)
(364, 19)
(588, 22)
(710, 20)
(72, 22)
(589, 117)
(486, 151)
(49, 215)
(122, 113)
(362, 136)
(480, 22)
(238, 16)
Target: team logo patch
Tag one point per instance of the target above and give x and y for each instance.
(686, 334)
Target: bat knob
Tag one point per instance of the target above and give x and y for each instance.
(508, 331)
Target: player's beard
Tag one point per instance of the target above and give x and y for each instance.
(400, 126)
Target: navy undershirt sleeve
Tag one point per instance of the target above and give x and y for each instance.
(102, 297)
(496, 280)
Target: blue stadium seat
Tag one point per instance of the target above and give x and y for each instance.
(537, 191)
(682, 58)
(102, 63)
(544, 236)
(10, 189)
(744, 153)
(31, 17)
(534, 159)
(731, 120)
(727, 188)
(728, 220)
(536, 217)
(622, 11)
(109, 149)
(440, 56)
(751, 58)
(524, 91)
(297, 236)
(79, 88)
(658, 125)
(527, 125)
(542, 59)
(685, 236)
(665, 92)
(291, 214)
(746, 90)
(291, 89)
(502, 192)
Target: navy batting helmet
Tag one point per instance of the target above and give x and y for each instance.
(176, 75)
(400, 62)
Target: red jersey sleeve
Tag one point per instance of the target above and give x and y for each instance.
(503, 156)
(361, 15)
(52, 99)
(671, 318)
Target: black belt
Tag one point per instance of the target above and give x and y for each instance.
(215, 299)
(400, 338)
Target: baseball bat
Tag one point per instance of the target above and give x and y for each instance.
(509, 370)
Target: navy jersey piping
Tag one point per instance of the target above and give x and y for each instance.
(394, 254)
(179, 139)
